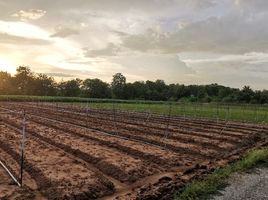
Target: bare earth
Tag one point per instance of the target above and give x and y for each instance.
(250, 186)
(73, 153)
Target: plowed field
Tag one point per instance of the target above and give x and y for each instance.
(75, 153)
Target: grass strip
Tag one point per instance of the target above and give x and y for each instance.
(211, 184)
(247, 113)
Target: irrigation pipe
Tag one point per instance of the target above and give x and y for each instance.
(10, 174)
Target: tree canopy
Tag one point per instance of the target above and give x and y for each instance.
(26, 82)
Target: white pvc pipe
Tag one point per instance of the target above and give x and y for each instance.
(10, 174)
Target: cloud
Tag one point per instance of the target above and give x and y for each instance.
(119, 5)
(151, 66)
(10, 39)
(64, 32)
(232, 70)
(110, 50)
(59, 74)
(211, 35)
(204, 4)
(31, 14)
(250, 58)
(255, 6)
(23, 29)
(140, 38)
(22, 34)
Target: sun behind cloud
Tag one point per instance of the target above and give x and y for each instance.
(179, 41)
(6, 66)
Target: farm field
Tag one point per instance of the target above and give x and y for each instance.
(81, 152)
(235, 112)
(251, 113)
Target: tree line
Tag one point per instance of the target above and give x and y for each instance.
(26, 82)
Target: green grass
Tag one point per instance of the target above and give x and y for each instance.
(235, 112)
(53, 99)
(210, 185)
(243, 113)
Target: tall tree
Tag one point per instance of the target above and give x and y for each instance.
(246, 94)
(44, 85)
(264, 97)
(23, 80)
(118, 85)
(5, 83)
(95, 88)
(140, 90)
(70, 88)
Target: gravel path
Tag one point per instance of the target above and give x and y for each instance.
(247, 186)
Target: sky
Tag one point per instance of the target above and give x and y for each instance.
(179, 41)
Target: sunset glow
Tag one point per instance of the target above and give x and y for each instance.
(131, 99)
(7, 66)
(180, 41)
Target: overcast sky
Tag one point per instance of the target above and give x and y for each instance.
(179, 41)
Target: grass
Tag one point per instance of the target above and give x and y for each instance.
(243, 113)
(235, 112)
(210, 185)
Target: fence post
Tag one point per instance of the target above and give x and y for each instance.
(114, 116)
(22, 147)
(194, 109)
(168, 122)
(184, 115)
(218, 113)
(256, 114)
(87, 114)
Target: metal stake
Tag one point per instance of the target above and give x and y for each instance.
(22, 147)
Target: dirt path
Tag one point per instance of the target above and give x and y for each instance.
(5, 189)
(247, 186)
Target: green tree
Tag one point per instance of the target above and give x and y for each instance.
(118, 85)
(139, 89)
(44, 85)
(70, 88)
(5, 83)
(212, 89)
(264, 97)
(246, 94)
(24, 81)
(157, 90)
(182, 91)
(95, 88)
(129, 91)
